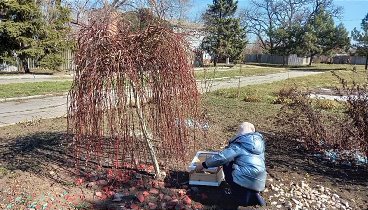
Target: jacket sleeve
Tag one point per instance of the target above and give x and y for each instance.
(225, 156)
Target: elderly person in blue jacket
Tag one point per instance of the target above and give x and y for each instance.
(243, 164)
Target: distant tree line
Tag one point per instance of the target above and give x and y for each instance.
(34, 29)
(41, 30)
(281, 27)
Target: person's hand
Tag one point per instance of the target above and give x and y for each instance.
(198, 168)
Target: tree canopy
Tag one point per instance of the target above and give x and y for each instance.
(304, 27)
(225, 37)
(361, 39)
(25, 32)
(322, 36)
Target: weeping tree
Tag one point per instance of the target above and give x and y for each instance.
(134, 97)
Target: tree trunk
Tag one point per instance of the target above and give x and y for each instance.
(310, 60)
(148, 139)
(147, 134)
(366, 62)
(25, 66)
(215, 61)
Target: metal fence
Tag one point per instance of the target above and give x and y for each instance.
(292, 60)
(346, 59)
(68, 63)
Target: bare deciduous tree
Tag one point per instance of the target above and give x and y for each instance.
(264, 17)
(163, 9)
(81, 8)
(170, 9)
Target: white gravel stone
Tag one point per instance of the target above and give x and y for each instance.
(336, 196)
(302, 196)
(345, 203)
(295, 201)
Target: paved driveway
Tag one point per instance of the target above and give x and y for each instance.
(12, 112)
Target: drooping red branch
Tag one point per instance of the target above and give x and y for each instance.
(131, 86)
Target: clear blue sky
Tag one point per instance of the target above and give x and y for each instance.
(353, 10)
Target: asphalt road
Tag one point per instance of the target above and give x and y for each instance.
(253, 80)
(12, 112)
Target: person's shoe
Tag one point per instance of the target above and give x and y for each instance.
(227, 191)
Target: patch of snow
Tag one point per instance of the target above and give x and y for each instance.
(358, 157)
(329, 97)
(190, 123)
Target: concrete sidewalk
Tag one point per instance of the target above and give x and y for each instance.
(12, 112)
(56, 106)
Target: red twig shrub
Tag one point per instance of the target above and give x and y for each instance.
(345, 130)
(300, 119)
(356, 109)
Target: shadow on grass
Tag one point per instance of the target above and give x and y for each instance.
(304, 68)
(267, 65)
(312, 69)
(43, 153)
(292, 67)
(283, 152)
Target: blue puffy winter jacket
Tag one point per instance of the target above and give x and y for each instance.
(247, 152)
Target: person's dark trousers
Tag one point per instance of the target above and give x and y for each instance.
(242, 196)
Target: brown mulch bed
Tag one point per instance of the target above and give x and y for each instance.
(37, 172)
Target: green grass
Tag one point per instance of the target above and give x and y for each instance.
(227, 110)
(327, 67)
(226, 113)
(38, 71)
(268, 92)
(211, 73)
(55, 87)
(253, 69)
(253, 93)
(33, 88)
(313, 67)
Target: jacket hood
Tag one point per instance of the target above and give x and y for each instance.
(252, 142)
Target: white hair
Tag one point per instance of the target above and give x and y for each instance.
(245, 128)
